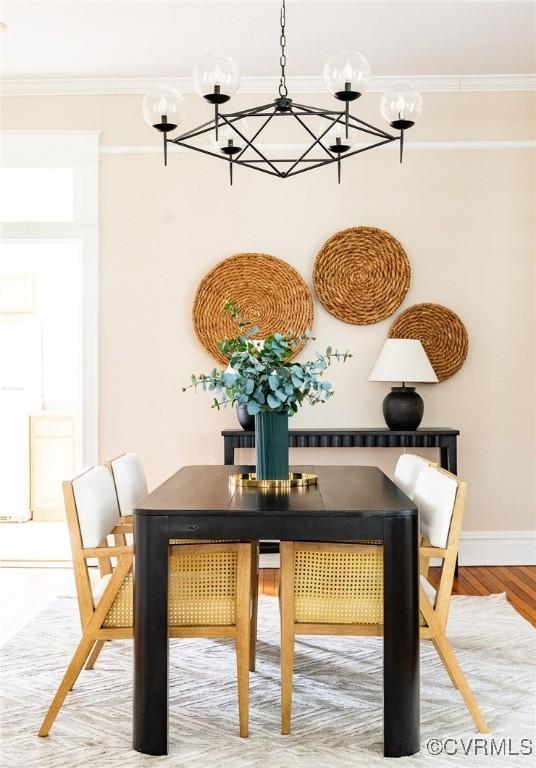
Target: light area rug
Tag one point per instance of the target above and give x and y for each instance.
(337, 718)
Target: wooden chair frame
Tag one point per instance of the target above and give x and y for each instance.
(435, 616)
(93, 617)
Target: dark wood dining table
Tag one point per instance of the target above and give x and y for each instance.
(348, 502)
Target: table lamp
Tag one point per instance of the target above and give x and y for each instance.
(403, 360)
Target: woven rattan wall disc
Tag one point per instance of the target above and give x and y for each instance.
(441, 332)
(361, 275)
(269, 292)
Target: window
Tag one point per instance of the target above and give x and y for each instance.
(36, 194)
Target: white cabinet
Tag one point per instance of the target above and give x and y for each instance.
(52, 460)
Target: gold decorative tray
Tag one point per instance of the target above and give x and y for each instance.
(295, 480)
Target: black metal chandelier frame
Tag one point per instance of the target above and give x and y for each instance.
(283, 107)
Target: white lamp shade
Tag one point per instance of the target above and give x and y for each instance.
(403, 360)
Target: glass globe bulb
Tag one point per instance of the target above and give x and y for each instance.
(216, 78)
(163, 109)
(346, 75)
(229, 141)
(336, 139)
(401, 106)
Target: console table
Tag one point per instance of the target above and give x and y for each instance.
(442, 438)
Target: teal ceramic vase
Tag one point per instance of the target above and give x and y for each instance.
(271, 446)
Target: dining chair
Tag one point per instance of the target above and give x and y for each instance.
(337, 588)
(209, 586)
(131, 486)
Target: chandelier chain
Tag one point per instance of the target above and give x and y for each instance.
(283, 90)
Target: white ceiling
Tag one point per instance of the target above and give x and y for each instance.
(129, 39)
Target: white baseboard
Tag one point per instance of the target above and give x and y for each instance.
(498, 548)
(34, 542)
(269, 560)
(477, 548)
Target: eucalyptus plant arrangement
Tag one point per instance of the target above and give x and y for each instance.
(261, 374)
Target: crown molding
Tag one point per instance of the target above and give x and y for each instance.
(124, 86)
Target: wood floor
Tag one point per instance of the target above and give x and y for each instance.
(519, 583)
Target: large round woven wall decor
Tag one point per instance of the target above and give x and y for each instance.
(441, 332)
(361, 275)
(269, 292)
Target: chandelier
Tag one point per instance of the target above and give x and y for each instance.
(332, 135)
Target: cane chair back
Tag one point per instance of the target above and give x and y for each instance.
(338, 583)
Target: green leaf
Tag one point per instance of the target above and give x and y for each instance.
(273, 402)
(249, 386)
(253, 407)
(229, 379)
(259, 396)
(273, 381)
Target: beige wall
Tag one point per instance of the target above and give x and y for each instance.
(465, 217)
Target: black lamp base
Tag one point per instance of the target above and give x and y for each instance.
(403, 408)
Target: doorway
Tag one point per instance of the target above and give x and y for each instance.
(40, 375)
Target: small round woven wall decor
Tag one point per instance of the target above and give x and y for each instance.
(270, 293)
(441, 332)
(361, 275)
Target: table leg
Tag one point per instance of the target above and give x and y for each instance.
(452, 456)
(449, 461)
(449, 456)
(151, 635)
(228, 450)
(401, 637)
